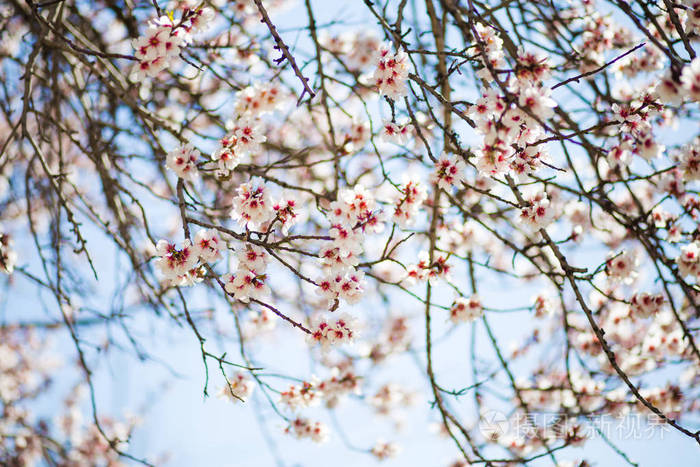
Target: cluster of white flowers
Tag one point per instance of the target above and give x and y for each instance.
(8, 256)
(306, 395)
(510, 133)
(252, 206)
(600, 32)
(395, 132)
(539, 213)
(183, 161)
(690, 160)
(239, 388)
(346, 285)
(179, 266)
(359, 48)
(383, 450)
(620, 155)
(645, 304)
(356, 208)
(259, 99)
(528, 161)
(342, 382)
(689, 260)
(690, 78)
(692, 15)
(511, 129)
(357, 135)
(390, 396)
(425, 270)
(662, 339)
(622, 267)
(544, 306)
(208, 245)
(245, 133)
(493, 48)
(352, 215)
(286, 213)
(305, 428)
(673, 91)
(175, 263)
(537, 101)
(339, 259)
(408, 203)
(164, 39)
(244, 138)
(465, 310)
(449, 172)
(636, 135)
(392, 72)
(249, 280)
(332, 331)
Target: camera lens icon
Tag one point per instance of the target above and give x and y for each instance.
(493, 424)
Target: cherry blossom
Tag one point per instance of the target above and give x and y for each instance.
(304, 428)
(392, 72)
(449, 172)
(183, 161)
(622, 266)
(408, 203)
(385, 450)
(173, 262)
(239, 388)
(8, 256)
(464, 310)
(252, 206)
(689, 260)
(332, 330)
(305, 395)
(690, 78)
(645, 304)
(208, 245)
(538, 213)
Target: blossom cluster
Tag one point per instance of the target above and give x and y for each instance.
(538, 213)
(164, 38)
(305, 428)
(306, 395)
(674, 91)
(8, 256)
(252, 205)
(622, 267)
(409, 202)
(512, 125)
(449, 172)
(465, 310)
(425, 270)
(249, 280)
(183, 161)
(184, 265)
(239, 388)
(333, 330)
(391, 73)
(246, 131)
(353, 214)
(385, 450)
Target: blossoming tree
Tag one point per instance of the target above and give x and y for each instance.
(370, 190)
